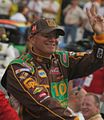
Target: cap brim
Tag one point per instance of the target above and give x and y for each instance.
(57, 30)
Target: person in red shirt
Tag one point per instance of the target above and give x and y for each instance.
(95, 82)
(6, 111)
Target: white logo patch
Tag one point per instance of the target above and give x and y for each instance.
(100, 52)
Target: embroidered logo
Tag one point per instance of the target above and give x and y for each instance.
(34, 28)
(42, 94)
(64, 58)
(42, 73)
(51, 23)
(37, 90)
(23, 75)
(55, 71)
(30, 83)
(22, 70)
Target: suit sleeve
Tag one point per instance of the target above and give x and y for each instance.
(86, 64)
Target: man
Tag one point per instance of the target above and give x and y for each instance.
(74, 18)
(39, 79)
(50, 8)
(21, 15)
(101, 8)
(90, 107)
(5, 8)
(36, 8)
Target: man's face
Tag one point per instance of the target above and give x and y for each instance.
(89, 107)
(44, 44)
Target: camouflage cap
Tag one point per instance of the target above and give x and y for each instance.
(46, 25)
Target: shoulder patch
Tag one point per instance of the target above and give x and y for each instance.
(24, 60)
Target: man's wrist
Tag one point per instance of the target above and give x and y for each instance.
(99, 38)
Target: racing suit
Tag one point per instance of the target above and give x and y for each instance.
(40, 84)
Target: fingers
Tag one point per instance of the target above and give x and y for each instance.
(96, 21)
(93, 10)
(88, 13)
(90, 17)
(100, 18)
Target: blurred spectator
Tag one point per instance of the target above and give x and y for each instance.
(88, 5)
(101, 9)
(22, 2)
(21, 15)
(5, 7)
(50, 8)
(35, 7)
(6, 111)
(74, 17)
(74, 102)
(88, 32)
(16, 4)
(63, 5)
(90, 107)
(14, 8)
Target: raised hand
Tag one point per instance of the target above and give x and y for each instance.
(96, 21)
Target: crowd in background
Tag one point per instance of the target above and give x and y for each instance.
(70, 15)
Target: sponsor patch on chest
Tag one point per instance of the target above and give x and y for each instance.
(42, 73)
(55, 70)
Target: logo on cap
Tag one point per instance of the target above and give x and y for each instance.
(51, 23)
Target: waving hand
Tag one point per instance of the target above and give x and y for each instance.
(96, 21)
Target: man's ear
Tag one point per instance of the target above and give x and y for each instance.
(29, 41)
(30, 38)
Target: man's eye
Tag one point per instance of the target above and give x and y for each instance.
(47, 36)
(51, 36)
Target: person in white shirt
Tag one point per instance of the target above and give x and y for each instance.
(5, 7)
(35, 7)
(50, 8)
(101, 8)
(20, 16)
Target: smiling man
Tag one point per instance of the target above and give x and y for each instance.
(44, 36)
(90, 107)
(38, 79)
